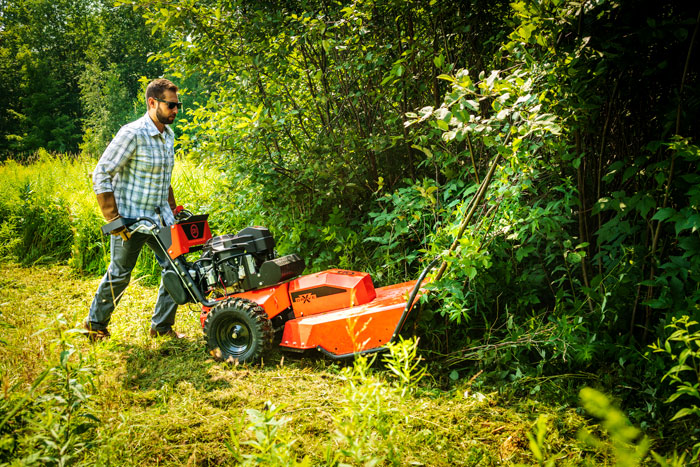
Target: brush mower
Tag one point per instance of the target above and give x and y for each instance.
(248, 294)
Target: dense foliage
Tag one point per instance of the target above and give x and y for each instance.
(547, 151)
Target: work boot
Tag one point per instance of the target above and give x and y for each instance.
(96, 334)
(169, 333)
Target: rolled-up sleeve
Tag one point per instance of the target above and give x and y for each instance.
(113, 160)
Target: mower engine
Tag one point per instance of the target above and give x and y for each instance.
(242, 262)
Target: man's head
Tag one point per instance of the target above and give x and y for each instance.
(162, 101)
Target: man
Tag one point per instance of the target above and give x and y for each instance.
(132, 179)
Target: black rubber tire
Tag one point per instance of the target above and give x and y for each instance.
(238, 330)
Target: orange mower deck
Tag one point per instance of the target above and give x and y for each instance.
(350, 330)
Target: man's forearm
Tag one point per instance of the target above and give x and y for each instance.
(113, 160)
(108, 205)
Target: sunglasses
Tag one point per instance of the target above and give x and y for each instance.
(171, 105)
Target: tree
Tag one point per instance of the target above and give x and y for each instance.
(43, 41)
(66, 65)
(116, 67)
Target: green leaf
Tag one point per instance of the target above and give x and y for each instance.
(663, 214)
(449, 135)
(659, 303)
(471, 104)
(503, 114)
(574, 257)
(439, 61)
(645, 204)
(525, 31)
(684, 412)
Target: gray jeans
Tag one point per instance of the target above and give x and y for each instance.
(123, 259)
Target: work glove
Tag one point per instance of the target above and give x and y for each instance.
(172, 203)
(108, 206)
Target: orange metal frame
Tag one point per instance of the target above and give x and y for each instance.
(336, 311)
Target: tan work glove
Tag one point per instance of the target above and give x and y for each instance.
(171, 200)
(108, 206)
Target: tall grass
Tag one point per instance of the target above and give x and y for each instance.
(48, 211)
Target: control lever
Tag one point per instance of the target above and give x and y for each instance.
(160, 218)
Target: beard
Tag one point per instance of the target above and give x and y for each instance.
(163, 118)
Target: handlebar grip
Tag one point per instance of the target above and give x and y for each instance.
(117, 223)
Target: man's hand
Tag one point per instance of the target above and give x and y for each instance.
(181, 213)
(122, 232)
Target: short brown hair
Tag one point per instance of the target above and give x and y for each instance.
(157, 88)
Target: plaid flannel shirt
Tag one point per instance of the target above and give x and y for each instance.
(137, 166)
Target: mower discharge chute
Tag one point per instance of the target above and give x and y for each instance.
(248, 294)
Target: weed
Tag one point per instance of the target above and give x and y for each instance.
(53, 422)
(623, 446)
(683, 346)
(271, 443)
(538, 444)
(405, 364)
(364, 427)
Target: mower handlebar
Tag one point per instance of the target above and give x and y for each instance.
(124, 222)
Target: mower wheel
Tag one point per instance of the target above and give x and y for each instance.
(238, 330)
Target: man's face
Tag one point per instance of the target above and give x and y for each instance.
(165, 115)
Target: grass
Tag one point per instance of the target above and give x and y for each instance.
(165, 402)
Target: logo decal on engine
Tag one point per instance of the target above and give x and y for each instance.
(194, 231)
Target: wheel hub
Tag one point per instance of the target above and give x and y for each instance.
(235, 338)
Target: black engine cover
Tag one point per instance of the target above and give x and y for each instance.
(257, 241)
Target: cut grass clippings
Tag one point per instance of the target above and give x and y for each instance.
(166, 402)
